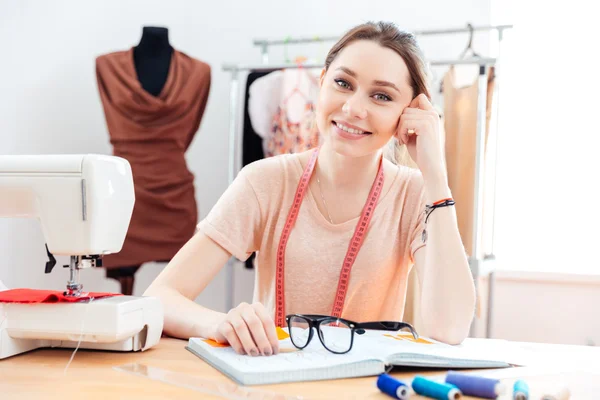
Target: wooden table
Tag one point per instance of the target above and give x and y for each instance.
(41, 374)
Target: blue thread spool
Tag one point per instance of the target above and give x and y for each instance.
(392, 387)
(477, 386)
(520, 390)
(436, 390)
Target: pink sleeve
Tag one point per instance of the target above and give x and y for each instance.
(235, 222)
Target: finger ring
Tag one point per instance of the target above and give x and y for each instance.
(411, 131)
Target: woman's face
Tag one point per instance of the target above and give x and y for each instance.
(362, 96)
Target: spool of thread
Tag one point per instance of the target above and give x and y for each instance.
(477, 386)
(393, 387)
(562, 394)
(436, 390)
(520, 390)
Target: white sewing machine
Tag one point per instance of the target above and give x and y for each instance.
(84, 204)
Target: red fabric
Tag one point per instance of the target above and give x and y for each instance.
(46, 296)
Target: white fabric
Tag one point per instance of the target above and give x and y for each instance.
(268, 92)
(264, 96)
(307, 82)
(2, 286)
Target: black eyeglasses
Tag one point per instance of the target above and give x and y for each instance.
(334, 339)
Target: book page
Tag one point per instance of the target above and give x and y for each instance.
(382, 344)
(398, 348)
(289, 357)
(401, 345)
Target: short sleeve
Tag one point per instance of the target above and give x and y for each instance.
(235, 222)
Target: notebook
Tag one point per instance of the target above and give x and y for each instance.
(371, 354)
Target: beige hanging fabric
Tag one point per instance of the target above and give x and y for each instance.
(460, 113)
(458, 130)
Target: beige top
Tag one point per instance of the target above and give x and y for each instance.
(250, 217)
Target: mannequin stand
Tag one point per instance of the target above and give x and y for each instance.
(125, 276)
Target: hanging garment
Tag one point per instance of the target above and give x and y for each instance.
(294, 87)
(282, 110)
(264, 97)
(293, 137)
(257, 118)
(460, 113)
(153, 134)
(252, 131)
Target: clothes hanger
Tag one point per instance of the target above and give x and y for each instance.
(468, 51)
(469, 45)
(296, 90)
(285, 49)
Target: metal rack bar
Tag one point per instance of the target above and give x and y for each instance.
(307, 39)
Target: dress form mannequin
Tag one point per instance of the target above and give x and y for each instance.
(152, 57)
(153, 97)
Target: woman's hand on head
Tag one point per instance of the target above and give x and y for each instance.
(424, 145)
(249, 329)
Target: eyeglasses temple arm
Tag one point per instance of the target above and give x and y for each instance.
(388, 326)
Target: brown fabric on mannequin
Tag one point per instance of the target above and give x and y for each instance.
(153, 134)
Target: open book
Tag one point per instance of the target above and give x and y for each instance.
(371, 354)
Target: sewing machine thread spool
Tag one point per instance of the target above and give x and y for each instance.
(393, 387)
(477, 386)
(520, 390)
(436, 390)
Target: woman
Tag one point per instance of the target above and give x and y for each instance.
(300, 213)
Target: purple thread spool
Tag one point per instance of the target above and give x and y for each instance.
(393, 387)
(477, 386)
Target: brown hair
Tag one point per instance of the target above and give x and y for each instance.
(387, 34)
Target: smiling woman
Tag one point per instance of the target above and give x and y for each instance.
(393, 82)
(337, 229)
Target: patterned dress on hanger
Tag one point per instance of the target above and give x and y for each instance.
(292, 137)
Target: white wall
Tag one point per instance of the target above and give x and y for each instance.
(542, 307)
(49, 101)
(548, 159)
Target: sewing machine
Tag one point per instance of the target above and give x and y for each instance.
(84, 204)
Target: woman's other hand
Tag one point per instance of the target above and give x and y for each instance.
(419, 130)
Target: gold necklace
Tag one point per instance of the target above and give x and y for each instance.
(323, 198)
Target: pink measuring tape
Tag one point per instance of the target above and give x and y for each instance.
(353, 248)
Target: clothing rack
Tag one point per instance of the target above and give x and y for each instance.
(476, 261)
(265, 43)
(267, 67)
